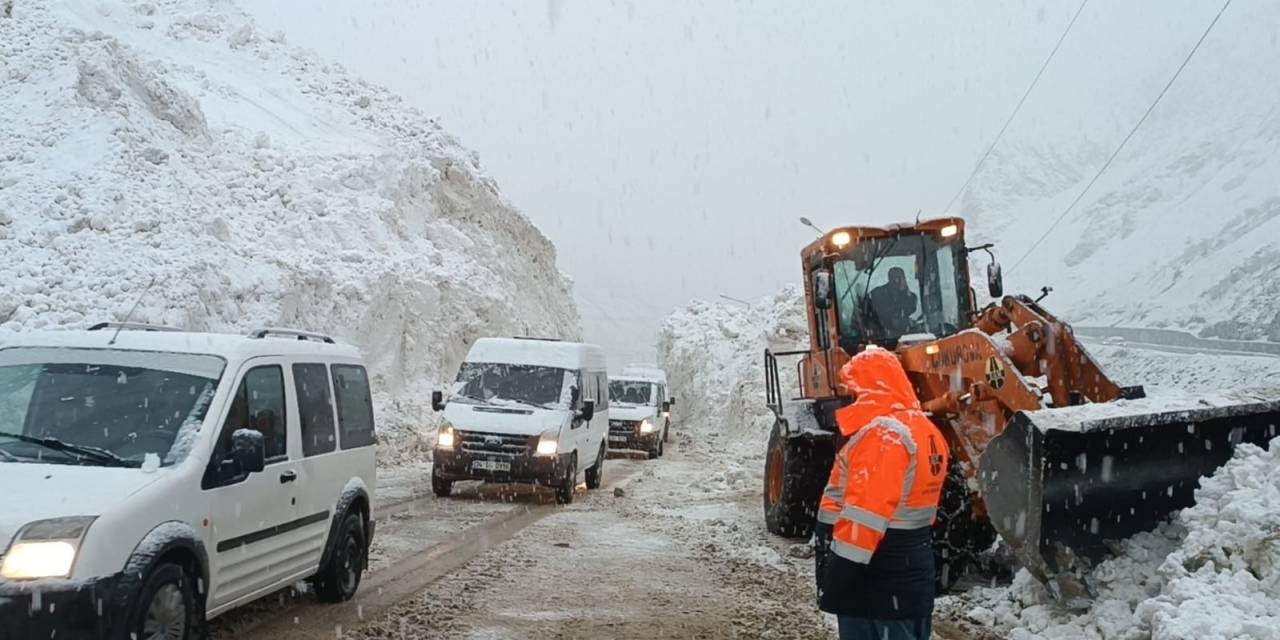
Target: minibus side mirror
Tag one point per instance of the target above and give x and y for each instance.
(588, 410)
(671, 401)
(437, 400)
(666, 407)
(248, 451)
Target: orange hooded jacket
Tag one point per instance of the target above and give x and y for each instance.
(890, 472)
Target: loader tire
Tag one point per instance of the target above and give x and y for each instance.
(960, 538)
(793, 480)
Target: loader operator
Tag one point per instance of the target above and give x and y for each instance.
(893, 303)
(873, 541)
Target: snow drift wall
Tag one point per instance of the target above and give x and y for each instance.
(713, 353)
(1184, 229)
(257, 186)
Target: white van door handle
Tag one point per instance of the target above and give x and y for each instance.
(288, 476)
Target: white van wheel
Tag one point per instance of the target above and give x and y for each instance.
(166, 605)
(595, 475)
(564, 492)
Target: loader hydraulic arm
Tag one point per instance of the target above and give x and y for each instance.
(1041, 345)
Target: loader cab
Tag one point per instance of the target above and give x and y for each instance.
(884, 286)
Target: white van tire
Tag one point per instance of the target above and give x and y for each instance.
(339, 580)
(166, 606)
(441, 487)
(595, 474)
(564, 492)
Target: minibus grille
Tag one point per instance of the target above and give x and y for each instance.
(500, 443)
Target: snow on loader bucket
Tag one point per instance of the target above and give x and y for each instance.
(1059, 484)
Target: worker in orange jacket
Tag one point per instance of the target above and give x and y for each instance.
(875, 566)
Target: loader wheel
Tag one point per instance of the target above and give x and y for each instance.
(959, 536)
(793, 479)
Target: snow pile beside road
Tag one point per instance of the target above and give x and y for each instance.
(1213, 572)
(713, 353)
(258, 186)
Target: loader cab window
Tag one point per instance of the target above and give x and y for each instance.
(890, 287)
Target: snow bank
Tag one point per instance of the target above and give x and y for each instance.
(258, 185)
(713, 353)
(1212, 572)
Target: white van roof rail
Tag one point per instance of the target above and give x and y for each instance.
(291, 333)
(132, 326)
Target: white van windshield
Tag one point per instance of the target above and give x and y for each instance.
(102, 407)
(515, 384)
(631, 392)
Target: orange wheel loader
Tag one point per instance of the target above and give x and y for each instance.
(1049, 453)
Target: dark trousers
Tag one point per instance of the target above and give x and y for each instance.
(852, 628)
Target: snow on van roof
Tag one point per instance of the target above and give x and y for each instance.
(547, 353)
(231, 346)
(642, 373)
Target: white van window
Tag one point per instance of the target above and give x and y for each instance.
(315, 407)
(514, 385)
(355, 406)
(103, 407)
(631, 392)
(259, 405)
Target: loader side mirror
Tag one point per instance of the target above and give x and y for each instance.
(995, 280)
(822, 288)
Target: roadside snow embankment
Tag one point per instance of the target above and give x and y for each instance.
(713, 354)
(258, 186)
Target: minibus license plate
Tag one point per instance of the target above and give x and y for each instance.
(617, 438)
(491, 465)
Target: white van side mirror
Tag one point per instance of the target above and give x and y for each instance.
(248, 451)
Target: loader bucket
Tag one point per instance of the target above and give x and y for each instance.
(1058, 484)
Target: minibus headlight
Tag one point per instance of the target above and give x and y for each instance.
(446, 437)
(45, 549)
(548, 443)
(646, 427)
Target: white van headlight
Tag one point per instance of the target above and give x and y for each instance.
(646, 427)
(446, 437)
(548, 443)
(45, 549)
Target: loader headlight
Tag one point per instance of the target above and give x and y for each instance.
(45, 549)
(840, 239)
(647, 427)
(949, 230)
(447, 437)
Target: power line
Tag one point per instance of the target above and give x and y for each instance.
(1016, 108)
(1126, 139)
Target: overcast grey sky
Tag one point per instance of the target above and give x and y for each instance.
(668, 147)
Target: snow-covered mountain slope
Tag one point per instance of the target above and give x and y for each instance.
(258, 186)
(1184, 229)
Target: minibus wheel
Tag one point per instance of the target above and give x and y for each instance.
(564, 492)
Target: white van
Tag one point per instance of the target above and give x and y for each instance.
(154, 479)
(525, 410)
(640, 411)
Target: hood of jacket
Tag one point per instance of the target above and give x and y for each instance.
(880, 387)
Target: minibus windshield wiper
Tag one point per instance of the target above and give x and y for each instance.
(101, 456)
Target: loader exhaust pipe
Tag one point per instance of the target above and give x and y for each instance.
(1058, 484)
